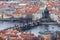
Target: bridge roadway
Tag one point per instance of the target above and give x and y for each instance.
(47, 23)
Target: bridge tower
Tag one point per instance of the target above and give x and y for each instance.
(46, 13)
(46, 18)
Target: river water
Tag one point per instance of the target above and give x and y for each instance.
(42, 28)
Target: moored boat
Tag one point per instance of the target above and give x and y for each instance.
(7, 16)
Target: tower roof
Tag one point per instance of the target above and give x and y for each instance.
(46, 10)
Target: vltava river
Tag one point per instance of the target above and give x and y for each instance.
(42, 28)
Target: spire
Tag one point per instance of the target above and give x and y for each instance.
(46, 13)
(46, 10)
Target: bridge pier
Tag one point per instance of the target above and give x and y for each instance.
(46, 27)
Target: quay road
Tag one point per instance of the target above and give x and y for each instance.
(37, 21)
(9, 19)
